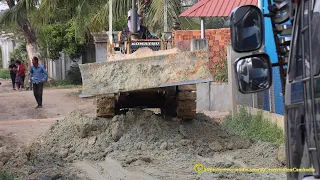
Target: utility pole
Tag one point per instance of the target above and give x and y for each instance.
(110, 22)
(203, 28)
(134, 16)
(165, 13)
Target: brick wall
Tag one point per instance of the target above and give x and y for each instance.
(218, 41)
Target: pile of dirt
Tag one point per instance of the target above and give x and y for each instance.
(139, 141)
(7, 146)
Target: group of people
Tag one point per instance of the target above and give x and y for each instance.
(17, 73)
(37, 75)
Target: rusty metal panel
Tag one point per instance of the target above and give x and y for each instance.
(146, 72)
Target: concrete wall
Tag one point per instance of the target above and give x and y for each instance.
(213, 97)
(58, 69)
(7, 46)
(101, 41)
(272, 117)
(101, 52)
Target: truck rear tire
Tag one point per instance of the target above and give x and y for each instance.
(187, 105)
(105, 105)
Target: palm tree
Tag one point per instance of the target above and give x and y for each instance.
(18, 14)
(89, 15)
(92, 15)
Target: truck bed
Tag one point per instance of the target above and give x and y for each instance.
(137, 72)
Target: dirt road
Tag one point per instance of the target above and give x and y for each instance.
(19, 118)
(18, 105)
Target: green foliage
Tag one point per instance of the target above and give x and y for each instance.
(13, 28)
(61, 84)
(72, 46)
(6, 176)
(120, 23)
(154, 16)
(19, 53)
(221, 68)
(59, 37)
(16, 19)
(217, 22)
(255, 127)
(189, 24)
(92, 15)
(74, 76)
(4, 74)
(221, 71)
(51, 38)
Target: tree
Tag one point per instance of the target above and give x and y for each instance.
(86, 16)
(217, 22)
(92, 15)
(59, 37)
(56, 33)
(19, 53)
(18, 13)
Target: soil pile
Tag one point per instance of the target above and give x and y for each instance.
(6, 149)
(139, 141)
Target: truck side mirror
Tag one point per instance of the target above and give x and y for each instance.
(247, 29)
(253, 73)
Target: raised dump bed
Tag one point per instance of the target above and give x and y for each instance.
(150, 79)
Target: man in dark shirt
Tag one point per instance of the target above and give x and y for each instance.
(13, 73)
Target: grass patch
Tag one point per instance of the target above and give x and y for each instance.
(61, 84)
(6, 176)
(4, 73)
(255, 127)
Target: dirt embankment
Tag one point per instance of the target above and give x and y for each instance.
(140, 145)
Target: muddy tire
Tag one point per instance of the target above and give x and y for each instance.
(105, 106)
(171, 103)
(187, 105)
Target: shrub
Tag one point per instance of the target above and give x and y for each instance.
(255, 127)
(4, 73)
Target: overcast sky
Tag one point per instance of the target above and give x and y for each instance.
(3, 6)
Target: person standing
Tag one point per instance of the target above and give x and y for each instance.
(23, 73)
(18, 78)
(38, 75)
(21, 70)
(13, 72)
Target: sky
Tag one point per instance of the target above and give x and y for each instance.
(3, 6)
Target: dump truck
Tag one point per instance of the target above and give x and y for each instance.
(295, 24)
(146, 75)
